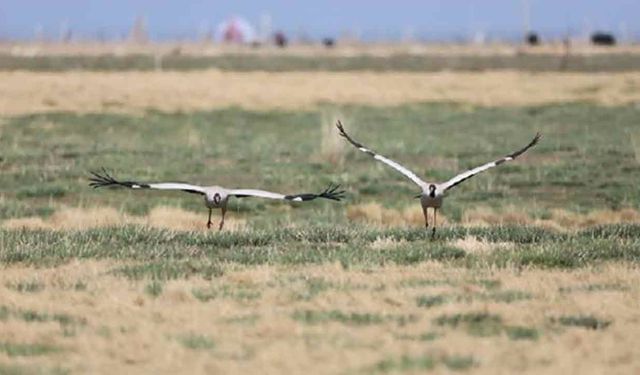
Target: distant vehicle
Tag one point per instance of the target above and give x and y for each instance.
(328, 42)
(532, 38)
(280, 39)
(601, 38)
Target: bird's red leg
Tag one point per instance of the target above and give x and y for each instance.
(209, 222)
(224, 211)
(426, 216)
(435, 214)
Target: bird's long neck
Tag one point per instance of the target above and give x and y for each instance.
(432, 191)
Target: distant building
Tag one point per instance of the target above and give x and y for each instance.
(138, 32)
(280, 39)
(235, 30)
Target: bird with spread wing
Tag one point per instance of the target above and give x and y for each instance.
(432, 193)
(214, 196)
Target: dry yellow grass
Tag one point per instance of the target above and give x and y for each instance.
(126, 330)
(559, 219)
(375, 214)
(476, 245)
(78, 218)
(165, 217)
(30, 92)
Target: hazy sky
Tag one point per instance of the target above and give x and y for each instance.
(371, 19)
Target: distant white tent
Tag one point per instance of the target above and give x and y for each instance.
(235, 30)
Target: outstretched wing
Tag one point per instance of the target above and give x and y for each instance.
(412, 176)
(104, 179)
(331, 192)
(472, 172)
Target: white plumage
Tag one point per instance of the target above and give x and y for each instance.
(214, 196)
(432, 194)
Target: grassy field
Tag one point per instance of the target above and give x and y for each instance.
(327, 61)
(582, 166)
(535, 267)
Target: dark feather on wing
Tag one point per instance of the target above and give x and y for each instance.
(331, 192)
(102, 178)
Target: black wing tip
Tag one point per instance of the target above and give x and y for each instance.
(332, 192)
(533, 142)
(341, 129)
(537, 138)
(344, 134)
(101, 178)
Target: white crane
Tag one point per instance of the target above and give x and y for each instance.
(214, 196)
(433, 193)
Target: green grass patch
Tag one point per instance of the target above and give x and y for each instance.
(196, 342)
(420, 363)
(159, 254)
(488, 283)
(310, 287)
(522, 333)
(405, 363)
(41, 191)
(583, 321)
(594, 288)
(238, 293)
(154, 288)
(400, 61)
(506, 296)
(484, 324)
(65, 320)
(170, 270)
(249, 319)
(242, 294)
(458, 363)
(30, 286)
(476, 323)
(432, 301)
(350, 318)
(423, 283)
(425, 336)
(11, 369)
(5, 313)
(204, 294)
(27, 350)
(503, 296)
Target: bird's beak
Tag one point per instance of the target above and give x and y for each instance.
(418, 196)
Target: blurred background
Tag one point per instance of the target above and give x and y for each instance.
(307, 22)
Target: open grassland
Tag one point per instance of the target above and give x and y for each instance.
(583, 173)
(535, 268)
(320, 301)
(136, 92)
